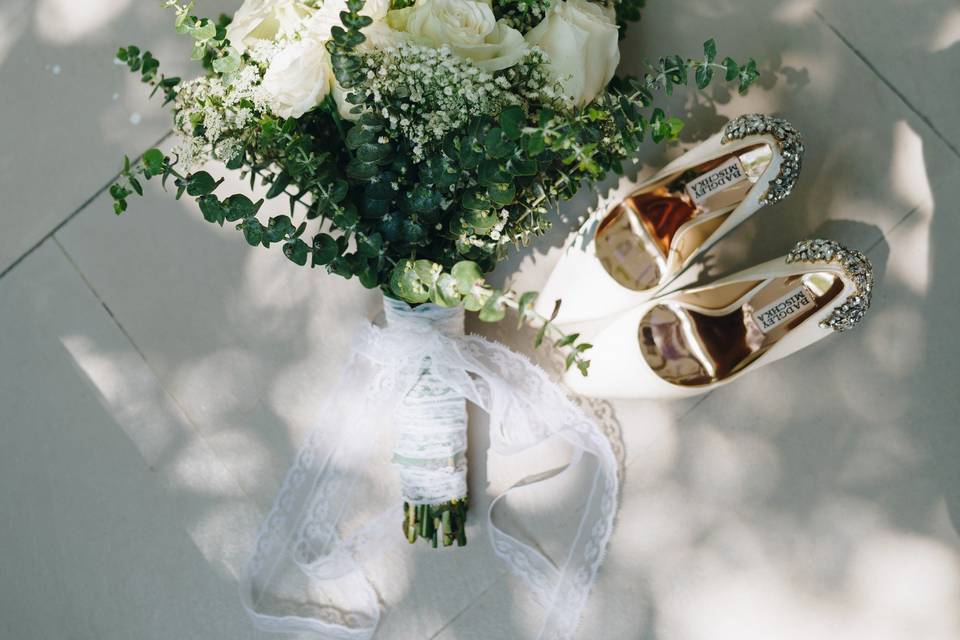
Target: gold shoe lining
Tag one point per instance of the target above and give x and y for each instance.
(703, 337)
(654, 231)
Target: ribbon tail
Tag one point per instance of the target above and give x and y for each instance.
(527, 408)
(299, 557)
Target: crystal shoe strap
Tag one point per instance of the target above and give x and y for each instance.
(789, 142)
(857, 269)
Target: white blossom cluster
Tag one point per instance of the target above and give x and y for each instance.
(532, 81)
(223, 108)
(521, 15)
(424, 93)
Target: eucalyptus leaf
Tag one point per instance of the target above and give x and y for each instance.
(502, 194)
(467, 274)
(369, 277)
(493, 309)
(296, 251)
(481, 220)
(358, 169)
(427, 271)
(710, 50)
(252, 231)
(240, 206)
(153, 161)
(201, 183)
(497, 143)
(567, 340)
(446, 293)
(406, 283)
(229, 63)
(325, 249)
(525, 302)
(476, 200)
(475, 300)
(280, 183)
(704, 75)
(369, 246)
(733, 69)
(212, 210)
(373, 152)
(511, 121)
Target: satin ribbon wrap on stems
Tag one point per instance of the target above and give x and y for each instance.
(305, 576)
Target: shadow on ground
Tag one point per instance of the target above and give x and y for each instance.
(784, 494)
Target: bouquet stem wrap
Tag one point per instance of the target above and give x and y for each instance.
(308, 575)
(430, 436)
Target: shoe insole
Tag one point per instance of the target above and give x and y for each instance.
(704, 337)
(634, 240)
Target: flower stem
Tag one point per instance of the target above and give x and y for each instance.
(436, 523)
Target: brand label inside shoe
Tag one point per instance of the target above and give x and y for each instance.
(729, 173)
(783, 310)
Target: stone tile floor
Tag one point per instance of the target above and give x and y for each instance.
(156, 376)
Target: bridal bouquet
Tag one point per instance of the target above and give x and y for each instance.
(416, 142)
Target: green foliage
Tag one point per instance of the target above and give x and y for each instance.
(423, 220)
(498, 178)
(148, 67)
(402, 225)
(672, 71)
(745, 75)
(210, 44)
(200, 185)
(344, 42)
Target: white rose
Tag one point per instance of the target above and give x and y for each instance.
(265, 20)
(580, 37)
(380, 36)
(503, 47)
(298, 78)
(468, 27)
(453, 22)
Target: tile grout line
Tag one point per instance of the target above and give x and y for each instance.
(906, 101)
(470, 605)
(96, 295)
(903, 98)
(186, 415)
(896, 225)
(86, 203)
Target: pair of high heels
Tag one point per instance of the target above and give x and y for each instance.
(665, 340)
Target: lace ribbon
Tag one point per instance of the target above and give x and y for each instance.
(430, 426)
(302, 560)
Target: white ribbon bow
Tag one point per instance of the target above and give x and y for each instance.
(299, 555)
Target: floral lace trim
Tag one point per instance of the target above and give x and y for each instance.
(526, 408)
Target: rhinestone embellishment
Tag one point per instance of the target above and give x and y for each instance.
(791, 150)
(855, 266)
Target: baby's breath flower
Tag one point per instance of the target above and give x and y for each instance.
(212, 113)
(425, 93)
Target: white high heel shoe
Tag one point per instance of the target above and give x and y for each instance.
(691, 341)
(626, 254)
